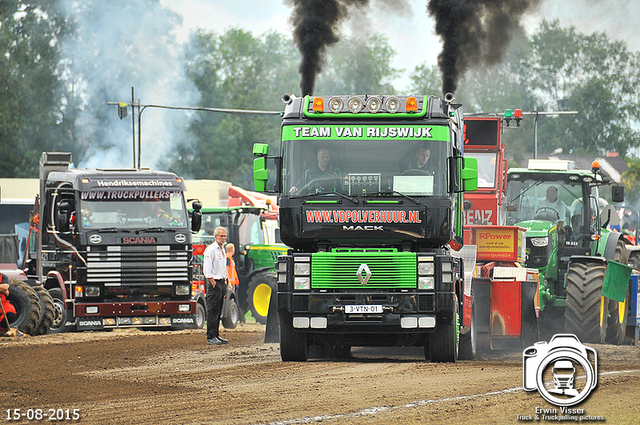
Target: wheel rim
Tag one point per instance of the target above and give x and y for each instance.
(58, 314)
(261, 298)
(199, 317)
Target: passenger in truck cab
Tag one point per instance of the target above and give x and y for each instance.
(322, 177)
(419, 161)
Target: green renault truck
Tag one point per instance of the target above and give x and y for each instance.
(372, 226)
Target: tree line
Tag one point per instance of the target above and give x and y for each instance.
(52, 98)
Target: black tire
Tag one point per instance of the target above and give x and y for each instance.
(617, 320)
(634, 260)
(61, 315)
(25, 300)
(200, 317)
(46, 309)
(582, 315)
(293, 344)
(469, 341)
(259, 291)
(443, 342)
(232, 318)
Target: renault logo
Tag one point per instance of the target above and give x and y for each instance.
(363, 274)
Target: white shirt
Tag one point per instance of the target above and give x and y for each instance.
(215, 264)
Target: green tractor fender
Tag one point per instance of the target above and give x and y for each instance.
(608, 244)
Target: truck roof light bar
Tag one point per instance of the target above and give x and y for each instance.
(374, 104)
(318, 104)
(355, 104)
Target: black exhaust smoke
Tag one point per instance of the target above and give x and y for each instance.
(315, 27)
(474, 33)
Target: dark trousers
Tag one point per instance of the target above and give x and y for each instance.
(3, 323)
(215, 298)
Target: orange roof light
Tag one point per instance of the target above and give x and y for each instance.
(412, 104)
(595, 167)
(318, 104)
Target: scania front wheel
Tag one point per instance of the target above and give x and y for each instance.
(61, 314)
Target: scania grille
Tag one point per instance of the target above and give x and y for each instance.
(137, 265)
(351, 269)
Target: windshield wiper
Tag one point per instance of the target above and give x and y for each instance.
(536, 183)
(412, 199)
(352, 199)
(153, 229)
(110, 230)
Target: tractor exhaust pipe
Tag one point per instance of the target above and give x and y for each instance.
(448, 97)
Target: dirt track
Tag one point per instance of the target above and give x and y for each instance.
(129, 376)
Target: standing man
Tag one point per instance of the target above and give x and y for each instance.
(215, 271)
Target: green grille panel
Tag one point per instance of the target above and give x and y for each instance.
(338, 270)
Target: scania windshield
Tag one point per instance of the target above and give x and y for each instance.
(132, 209)
(392, 161)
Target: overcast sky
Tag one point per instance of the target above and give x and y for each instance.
(410, 32)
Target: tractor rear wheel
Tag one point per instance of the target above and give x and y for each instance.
(25, 300)
(618, 311)
(46, 308)
(261, 286)
(583, 314)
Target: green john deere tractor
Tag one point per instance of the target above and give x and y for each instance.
(569, 243)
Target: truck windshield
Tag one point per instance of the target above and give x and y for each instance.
(132, 209)
(535, 199)
(365, 167)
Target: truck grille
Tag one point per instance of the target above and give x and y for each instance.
(137, 265)
(339, 269)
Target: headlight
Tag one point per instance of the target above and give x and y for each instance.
(302, 269)
(302, 283)
(184, 308)
(540, 241)
(425, 268)
(426, 282)
(92, 291)
(183, 290)
(447, 278)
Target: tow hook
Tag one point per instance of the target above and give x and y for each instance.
(387, 309)
(338, 308)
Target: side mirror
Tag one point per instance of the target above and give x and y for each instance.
(617, 193)
(63, 215)
(469, 174)
(196, 216)
(260, 174)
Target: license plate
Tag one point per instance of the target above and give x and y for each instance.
(362, 309)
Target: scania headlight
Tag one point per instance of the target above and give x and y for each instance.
(92, 291)
(183, 290)
(302, 282)
(539, 242)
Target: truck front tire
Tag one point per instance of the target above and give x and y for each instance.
(293, 344)
(443, 342)
(60, 313)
